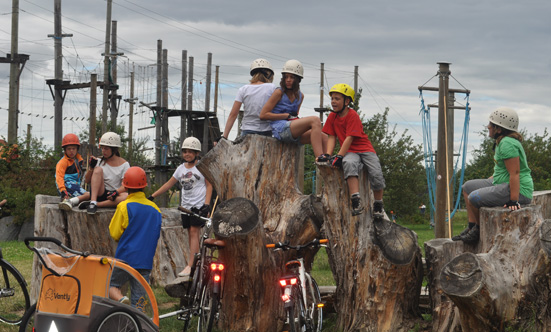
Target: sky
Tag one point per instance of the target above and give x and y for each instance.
(500, 50)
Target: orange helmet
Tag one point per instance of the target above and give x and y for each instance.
(70, 139)
(135, 178)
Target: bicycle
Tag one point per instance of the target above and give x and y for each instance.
(299, 291)
(205, 288)
(14, 296)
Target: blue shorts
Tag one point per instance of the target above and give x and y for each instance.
(74, 189)
(286, 136)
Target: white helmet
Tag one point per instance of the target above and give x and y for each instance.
(110, 139)
(293, 67)
(191, 143)
(259, 64)
(505, 117)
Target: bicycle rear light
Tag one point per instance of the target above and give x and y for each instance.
(217, 278)
(287, 281)
(216, 266)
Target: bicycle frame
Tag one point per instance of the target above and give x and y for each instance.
(298, 281)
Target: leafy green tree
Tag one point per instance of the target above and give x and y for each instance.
(401, 160)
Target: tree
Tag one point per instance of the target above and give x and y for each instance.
(401, 161)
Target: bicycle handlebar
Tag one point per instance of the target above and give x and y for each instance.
(287, 246)
(193, 214)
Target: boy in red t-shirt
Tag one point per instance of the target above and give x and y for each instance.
(356, 149)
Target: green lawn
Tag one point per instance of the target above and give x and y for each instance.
(17, 254)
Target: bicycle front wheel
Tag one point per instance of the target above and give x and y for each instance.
(208, 315)
(314, 314)
(14, 298)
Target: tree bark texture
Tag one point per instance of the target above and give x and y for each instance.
(83, 232)
(377, 265)
(502, 282)
(377, 289)
(262, 170)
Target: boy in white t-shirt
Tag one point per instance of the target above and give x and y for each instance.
(196, 195)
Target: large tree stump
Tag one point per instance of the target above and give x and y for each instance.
(503, 281)
(264, 171)
(377, 265)
(84, 232)
(373, 293)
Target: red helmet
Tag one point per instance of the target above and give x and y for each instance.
(135, 178)
(70, 139)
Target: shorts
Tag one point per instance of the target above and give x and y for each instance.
(188, 221)
(74, 189)
(353, 162)
(267, 133)
(102, 197)
(286, 136)
(121, 277)
(483, 193)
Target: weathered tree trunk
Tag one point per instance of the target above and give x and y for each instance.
(84, 232)
(377, 290)
(264, 171)
(503, 281)
(377, 265)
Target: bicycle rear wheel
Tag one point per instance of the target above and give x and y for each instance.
(14, 297)
(295, 313)
(209, 308)
(314, 314)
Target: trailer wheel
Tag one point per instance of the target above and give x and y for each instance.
(117, 319)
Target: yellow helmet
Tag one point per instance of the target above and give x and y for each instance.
(344, 89)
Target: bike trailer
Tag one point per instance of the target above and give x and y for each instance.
(74, 294)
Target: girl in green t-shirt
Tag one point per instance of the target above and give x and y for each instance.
(511, 184)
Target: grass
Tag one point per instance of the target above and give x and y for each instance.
(18, 255)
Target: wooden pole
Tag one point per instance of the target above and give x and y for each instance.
(442, 172)
(131, 113)
(14, 81)
(205, 145)
(190, 94)
(58, 64)
(216, 81)
(322, 90)
(106, 83)
(93, 105)
(356, 79)
(159, 106)
(183, 118)
(113, 93)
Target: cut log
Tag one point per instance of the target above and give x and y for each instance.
(377, 284)
(84, 232)
(377, 266)
(264, 171)
(502, 283)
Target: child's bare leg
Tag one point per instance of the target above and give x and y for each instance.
(115, 293)
(309, 131)
(353, 185)
(97, 185)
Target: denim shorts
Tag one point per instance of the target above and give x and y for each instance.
(286, 136)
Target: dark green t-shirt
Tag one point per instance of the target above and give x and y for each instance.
(511, 148)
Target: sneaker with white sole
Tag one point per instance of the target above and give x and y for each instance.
(357, 207)
(125, 300)
(65, 205)
(378, 210)
(91, 209)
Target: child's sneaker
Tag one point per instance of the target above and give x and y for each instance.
(65, 205)
(357, 207)
(125, 300)
(92, 208)
(378, 210)
(83, 205)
